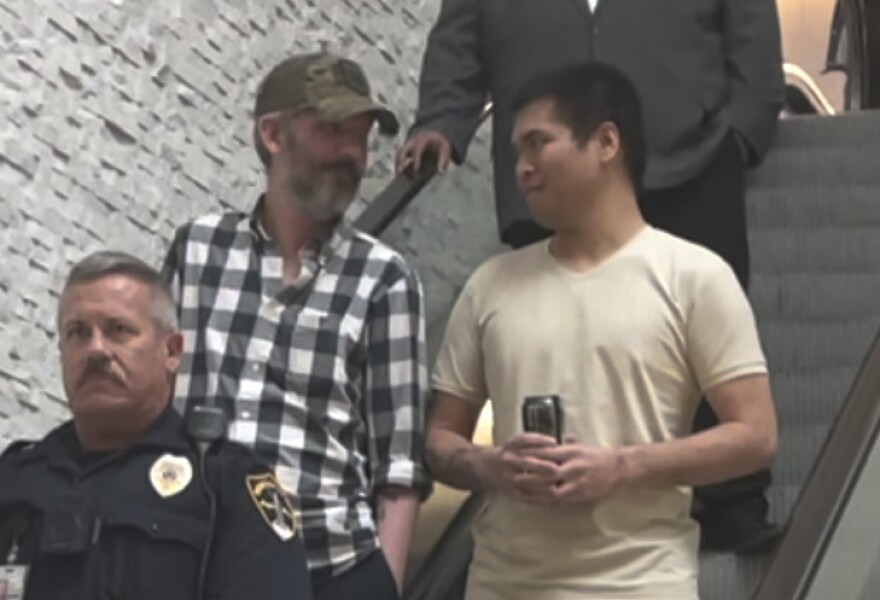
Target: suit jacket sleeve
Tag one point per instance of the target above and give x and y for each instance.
(753, 49)
(453, 84)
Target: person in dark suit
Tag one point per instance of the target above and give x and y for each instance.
(709, 73)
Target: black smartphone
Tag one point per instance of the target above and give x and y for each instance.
(543, 414)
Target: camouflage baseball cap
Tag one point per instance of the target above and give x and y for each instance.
(335, 87)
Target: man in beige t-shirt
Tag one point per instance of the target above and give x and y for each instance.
(628, 326)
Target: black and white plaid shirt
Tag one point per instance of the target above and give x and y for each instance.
(324, 378)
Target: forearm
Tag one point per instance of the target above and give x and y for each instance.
(723, 452)
(397, 509)
(457, 462)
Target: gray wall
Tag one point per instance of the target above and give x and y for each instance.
(120, 119)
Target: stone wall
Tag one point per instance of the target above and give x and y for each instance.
(120, 119)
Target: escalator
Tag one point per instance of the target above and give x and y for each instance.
(814, 215)
(832, 547)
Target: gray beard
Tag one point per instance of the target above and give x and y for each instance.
(325, 203)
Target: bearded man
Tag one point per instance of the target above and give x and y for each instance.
(310, 333)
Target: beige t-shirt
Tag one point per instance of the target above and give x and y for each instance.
(629, 346)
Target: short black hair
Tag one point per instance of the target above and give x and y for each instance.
(589, 94)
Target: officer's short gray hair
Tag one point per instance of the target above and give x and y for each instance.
(110, 262)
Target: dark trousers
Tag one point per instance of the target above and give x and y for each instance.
(709, 210)
(371, 579)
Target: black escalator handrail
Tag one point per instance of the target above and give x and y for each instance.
(397, 195)
(829, 487)
(449, 557)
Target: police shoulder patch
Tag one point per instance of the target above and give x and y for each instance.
(273, 504)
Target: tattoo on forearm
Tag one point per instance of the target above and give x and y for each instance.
(457, 468)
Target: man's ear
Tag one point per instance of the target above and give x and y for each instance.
(174, 351)
(269, 130)
(608, 137)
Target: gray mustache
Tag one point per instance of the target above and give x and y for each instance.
(99, 369)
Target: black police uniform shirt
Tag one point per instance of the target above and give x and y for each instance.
(134, 524)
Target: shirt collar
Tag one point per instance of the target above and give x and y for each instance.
(321, 249)
(62, 447)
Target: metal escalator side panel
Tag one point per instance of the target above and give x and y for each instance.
(828, 489)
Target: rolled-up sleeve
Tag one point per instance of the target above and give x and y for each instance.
(396, 386)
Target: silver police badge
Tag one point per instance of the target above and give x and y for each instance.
(170, 475)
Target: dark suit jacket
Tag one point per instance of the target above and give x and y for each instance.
(701, 68)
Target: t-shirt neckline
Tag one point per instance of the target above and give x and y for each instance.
(623, 250)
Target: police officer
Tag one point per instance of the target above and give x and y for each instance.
(121, 502)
